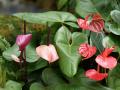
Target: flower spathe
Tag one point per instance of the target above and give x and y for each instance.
(106, 61)
(87, 51)
(95, 75)
(92, 22)
(48, 53)
(23, 40)
(15, 58)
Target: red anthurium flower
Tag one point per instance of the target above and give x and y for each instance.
(23, 40)
(48, 53)
(86, 50)
(95, 75)
(92, 22)
(106, 61)
(108, 51)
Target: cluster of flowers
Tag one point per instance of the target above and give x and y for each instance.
(92, 22)
(95, 23)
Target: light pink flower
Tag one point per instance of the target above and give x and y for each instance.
(86, 50)
(95, 75)
(48, 53)
(23, 40)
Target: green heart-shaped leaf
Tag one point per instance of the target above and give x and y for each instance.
(31, 55)
(12, 50)
(114, 28)
(115, 14)
(67, 46)
(51, 16)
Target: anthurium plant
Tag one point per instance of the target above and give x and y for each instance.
(75, 48)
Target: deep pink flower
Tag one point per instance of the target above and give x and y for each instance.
(86, 50)
(92, 22)
(23, 40)
(106, 61)
(95, 75)
(48, 53)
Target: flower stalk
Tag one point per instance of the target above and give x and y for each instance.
(24, 58)
(48, 34)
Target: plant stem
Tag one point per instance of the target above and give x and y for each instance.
(89, 37)
(48, 34)
(98, 68)
(24, 32)
(24, 58)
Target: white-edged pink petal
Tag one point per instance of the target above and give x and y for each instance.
(15, 58)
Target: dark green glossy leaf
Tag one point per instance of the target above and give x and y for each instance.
(78, 82)
(67, 46)
(37, 65)
(114, 78)
(96, 40)
(115, 14)
(12, 85)
(37, 86)
(85, 7)
(51, 78)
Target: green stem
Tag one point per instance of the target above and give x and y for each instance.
(48, 35)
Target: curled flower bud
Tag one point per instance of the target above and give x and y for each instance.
(23, 40)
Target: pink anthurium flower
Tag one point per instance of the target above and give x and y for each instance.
(95, 75)
(106, 61)
(48, 53)
(23, 40)
(95, 24)
(86, 50)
